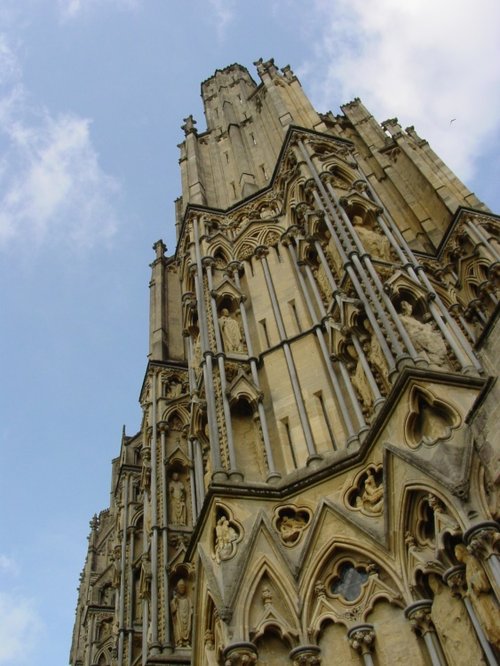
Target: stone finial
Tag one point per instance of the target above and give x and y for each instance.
(160, 248)
(189, 125)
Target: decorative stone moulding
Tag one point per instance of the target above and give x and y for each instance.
(290, 522)
(429, 419)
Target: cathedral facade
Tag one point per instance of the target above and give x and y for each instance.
(315, 478)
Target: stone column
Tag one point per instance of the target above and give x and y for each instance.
(218, 472)
(273, 475)
(155, 646)
(292, 371)
(478, 237)
(233, 472)
(240, 654)
(361, 639)
(347, 263)
(419, 615)
(339, 394)
(483, 541)
(416, 270)
(338, 232)
(123, 559)
(455, 578)
(306, 655)
(163, 428)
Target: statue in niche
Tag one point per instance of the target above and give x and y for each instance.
(378, 362)
(145, 577)
(177, 493)
(117, 567)
(371, 497)
(479, 592)
(225, 540)
(196, 359)
(374, 243)
(425, 339)
(323, 283)
(182, 614)
(453, 627)
(174, 389)
(231, 334)
(360, 383)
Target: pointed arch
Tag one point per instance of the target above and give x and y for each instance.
(255, 618)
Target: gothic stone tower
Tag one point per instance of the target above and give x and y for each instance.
(315, 478)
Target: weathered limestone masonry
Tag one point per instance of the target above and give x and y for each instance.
(315, 479)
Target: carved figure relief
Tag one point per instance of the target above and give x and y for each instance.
(453, 626)
(429, 420)
(480, 593)
(425, 338)
(145, 577)
(196, 357)
(173, 389)
(378, 363)
(290, 523)
(230, 331)
(177, 494)
(227, 535)
(360, 383)
(367, 492)
(375, 244)
(181, 608)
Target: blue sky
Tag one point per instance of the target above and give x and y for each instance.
(92, 97)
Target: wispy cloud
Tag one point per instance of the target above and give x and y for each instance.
(71, 9)
(427, 61)
(223, 14)
(8, 565)
(20, 628)
(51, 184)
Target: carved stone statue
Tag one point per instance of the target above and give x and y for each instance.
(378, 362)
(177, 493)
(182, 614)
(374, 243)
(231, 334)
(291, 527)
(117, 567)
(145, 578)
(479, 592)
(371, 498)
(196, 359)
(360, 383)
(453, 626)
(174, 389)
(225, 537)
(323, 283)
(424, 337)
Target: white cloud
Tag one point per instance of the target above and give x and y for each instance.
(223, 14)
(428, 61)
(20, 627)
(52, 187)
(71, 9)
(8, 565)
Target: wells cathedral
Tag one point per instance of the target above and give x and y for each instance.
(315, 480)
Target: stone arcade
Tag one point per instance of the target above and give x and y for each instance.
(315, 478)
